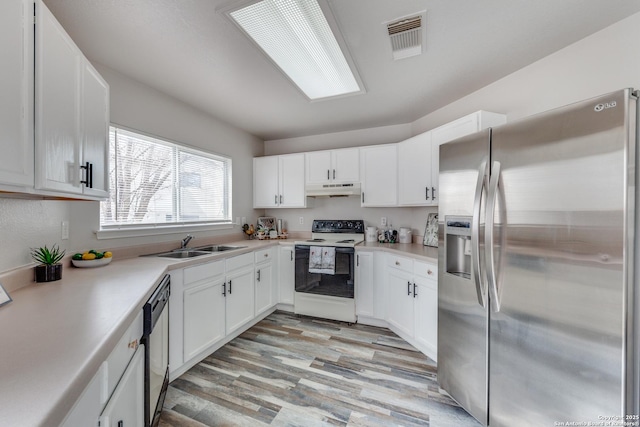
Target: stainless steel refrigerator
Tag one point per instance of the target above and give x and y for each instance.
(537, 293)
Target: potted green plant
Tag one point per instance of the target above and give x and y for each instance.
(50, 268)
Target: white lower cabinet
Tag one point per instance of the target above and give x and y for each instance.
(265, 295)
(119, 383)
(218, 298)
(286, 274)
(426, 315)
(87, 409)
(213, 302)
(204, 307)
(412, 302)
(364, 284)
(400, 309)
(126, 406)
(240, 292)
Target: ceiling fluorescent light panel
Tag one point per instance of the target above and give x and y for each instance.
(297, 37)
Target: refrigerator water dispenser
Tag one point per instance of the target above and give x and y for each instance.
(458, 245)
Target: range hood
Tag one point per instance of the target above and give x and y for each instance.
(333, 190)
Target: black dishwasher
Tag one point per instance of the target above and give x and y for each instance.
(156, 362)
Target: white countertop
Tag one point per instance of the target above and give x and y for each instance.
(426, 253)
(55, 335)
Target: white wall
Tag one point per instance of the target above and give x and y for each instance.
(31, 223)
(328, 141)
(349, 208)
(603, 62)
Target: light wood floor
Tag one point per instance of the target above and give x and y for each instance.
(293, 370)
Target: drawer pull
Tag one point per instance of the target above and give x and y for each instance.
(429, 272)
(266, 255)
(397, 262)
(133, 344)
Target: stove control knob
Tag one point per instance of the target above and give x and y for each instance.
(339, 225)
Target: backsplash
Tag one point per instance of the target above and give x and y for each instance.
(349, 208)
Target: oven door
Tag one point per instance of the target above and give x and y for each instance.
(340, 284)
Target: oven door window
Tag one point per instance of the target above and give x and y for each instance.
(340, 284)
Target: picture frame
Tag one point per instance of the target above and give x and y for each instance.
(267, 222)
(5, 298)
(430, 237)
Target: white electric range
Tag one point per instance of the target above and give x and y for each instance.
(324, 270)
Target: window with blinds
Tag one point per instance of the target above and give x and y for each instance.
(155, 182)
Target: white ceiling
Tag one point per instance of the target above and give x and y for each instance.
(186, 49)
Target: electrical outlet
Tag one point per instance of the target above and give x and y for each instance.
(301, 220)
(64, 230)
(383, 221)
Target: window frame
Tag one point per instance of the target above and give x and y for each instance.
(157, 228)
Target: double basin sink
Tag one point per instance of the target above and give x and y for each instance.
(203, 250)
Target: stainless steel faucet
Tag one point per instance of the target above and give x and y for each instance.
(184, 242)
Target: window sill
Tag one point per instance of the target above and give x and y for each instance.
(117, 233)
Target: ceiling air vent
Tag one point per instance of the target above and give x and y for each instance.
(407, 36)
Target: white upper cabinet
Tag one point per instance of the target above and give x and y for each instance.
(278, 181)
(333, 166)
(419, 157)
(71, 120)
(415, 171)
(291, 174)
(16, 87)
(265, 182)
(379, 171)
(95, 130)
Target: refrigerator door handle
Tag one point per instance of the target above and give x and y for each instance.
(475, 234)
(492, 199)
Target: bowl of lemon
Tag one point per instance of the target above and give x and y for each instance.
(91, 258)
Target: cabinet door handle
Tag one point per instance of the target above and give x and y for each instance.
(120, 423)
(85, 173)
(414, 291)
(90, 175)
(363, 197)
(276, 199)
(258, 276)
(281, 199)
(334, 174)
(229, 287)
(433, 193)
(291, 255)
(327, 174)
(408, 288)
(357, 260)
(224, 289)
(426, 193)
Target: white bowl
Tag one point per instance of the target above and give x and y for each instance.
(87, 263)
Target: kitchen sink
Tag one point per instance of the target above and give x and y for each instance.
(190, 253)
(218, 248)
(182, 254)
